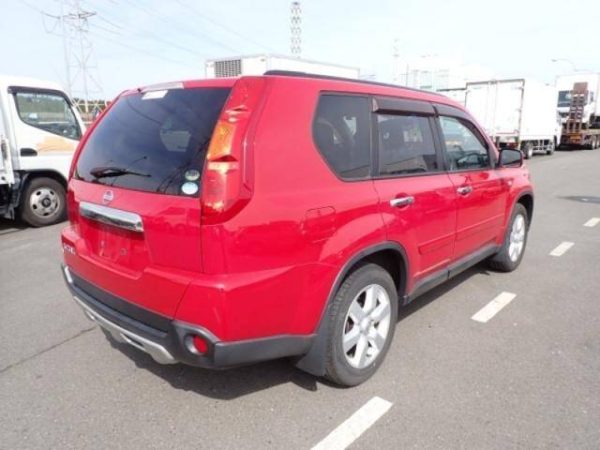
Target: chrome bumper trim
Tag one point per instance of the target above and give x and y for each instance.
(160, 354)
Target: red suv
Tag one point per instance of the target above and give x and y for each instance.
(227, 221)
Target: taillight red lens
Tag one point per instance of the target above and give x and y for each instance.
(200, 344)
(227, 179)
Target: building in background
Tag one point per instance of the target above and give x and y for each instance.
(259, 64)
(434, 73)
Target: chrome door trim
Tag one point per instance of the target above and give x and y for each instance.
(111, 216)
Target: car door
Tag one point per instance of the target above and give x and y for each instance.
(481, 191)
(6, 173)
(417, 198)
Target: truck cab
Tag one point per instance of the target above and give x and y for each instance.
(40, 128)
(590, 115)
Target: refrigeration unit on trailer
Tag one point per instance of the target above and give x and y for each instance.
(259, 64)
(39, 131)
(590, 117)
(516, 113)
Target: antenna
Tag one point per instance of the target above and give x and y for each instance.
(296, 29)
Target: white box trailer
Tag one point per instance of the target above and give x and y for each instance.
(40, 128)
(516, 113)
(591, 109)
(456, 94)
(259, 64)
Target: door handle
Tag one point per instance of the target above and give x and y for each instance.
(464, 190)
(402, 201)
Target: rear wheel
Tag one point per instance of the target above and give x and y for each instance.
(510, 255)
(361, 325)
(43, 202)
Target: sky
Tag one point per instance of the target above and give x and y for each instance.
(139, 42)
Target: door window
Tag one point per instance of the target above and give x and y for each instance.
(405, 145)
(342, 132)
(465, 147)
(48, 111)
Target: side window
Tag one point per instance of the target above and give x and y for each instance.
(465, 148)
(405, 145)
(342, 132)
(49, 112)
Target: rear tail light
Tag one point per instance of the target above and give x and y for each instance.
(227, 181)
(72, 211)
(196, 344)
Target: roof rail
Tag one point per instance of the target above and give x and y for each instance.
(292, 73)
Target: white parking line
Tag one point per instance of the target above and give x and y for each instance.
(562, 248)
(355, 425)
(592, 222)
(493, 307)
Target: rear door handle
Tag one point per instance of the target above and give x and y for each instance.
(402, 201)
(464, 190)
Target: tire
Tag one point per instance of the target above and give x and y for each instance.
(348, 368)
(43, 202)
(503, 261)
(528, 150)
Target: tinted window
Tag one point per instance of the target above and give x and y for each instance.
(405, 145)
(464, 146)
(48, 111)
(154, 142)
(342, 133)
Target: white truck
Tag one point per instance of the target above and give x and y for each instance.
(39, 131)
(259, 64)
(516, 113)
(591, 109)
(456, 94)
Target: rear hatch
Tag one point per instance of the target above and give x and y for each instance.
(134, 194)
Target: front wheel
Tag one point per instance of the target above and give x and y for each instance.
(528, 150)
(43, 202)
(361, 325)
(510, 255)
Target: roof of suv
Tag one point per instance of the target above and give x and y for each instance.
(354, 85)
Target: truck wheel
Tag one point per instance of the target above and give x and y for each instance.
(43, 202)
(361, 325)
(528, 150)
(551, 148)
(510, 255)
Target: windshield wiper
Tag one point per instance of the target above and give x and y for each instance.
(111, 171)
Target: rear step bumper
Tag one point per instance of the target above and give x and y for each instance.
(170, 341)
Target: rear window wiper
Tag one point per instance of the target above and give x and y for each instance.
(111, 171)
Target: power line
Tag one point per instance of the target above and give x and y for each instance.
(204, 17)
(136, 49)
(151, 12)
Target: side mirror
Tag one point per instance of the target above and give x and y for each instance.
(510, 158)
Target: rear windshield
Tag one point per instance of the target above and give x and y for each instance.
(154, 141)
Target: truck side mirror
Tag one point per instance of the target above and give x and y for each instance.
(510, 158)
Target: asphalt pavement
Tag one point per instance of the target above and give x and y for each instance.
(527, 377)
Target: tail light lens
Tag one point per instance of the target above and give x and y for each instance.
(227, 181)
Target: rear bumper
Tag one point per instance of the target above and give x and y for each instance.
(169, 341)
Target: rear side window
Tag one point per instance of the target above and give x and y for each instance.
(405, 145)
(47, 111)
(465, 148)
(154, 141)
(342, 132)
